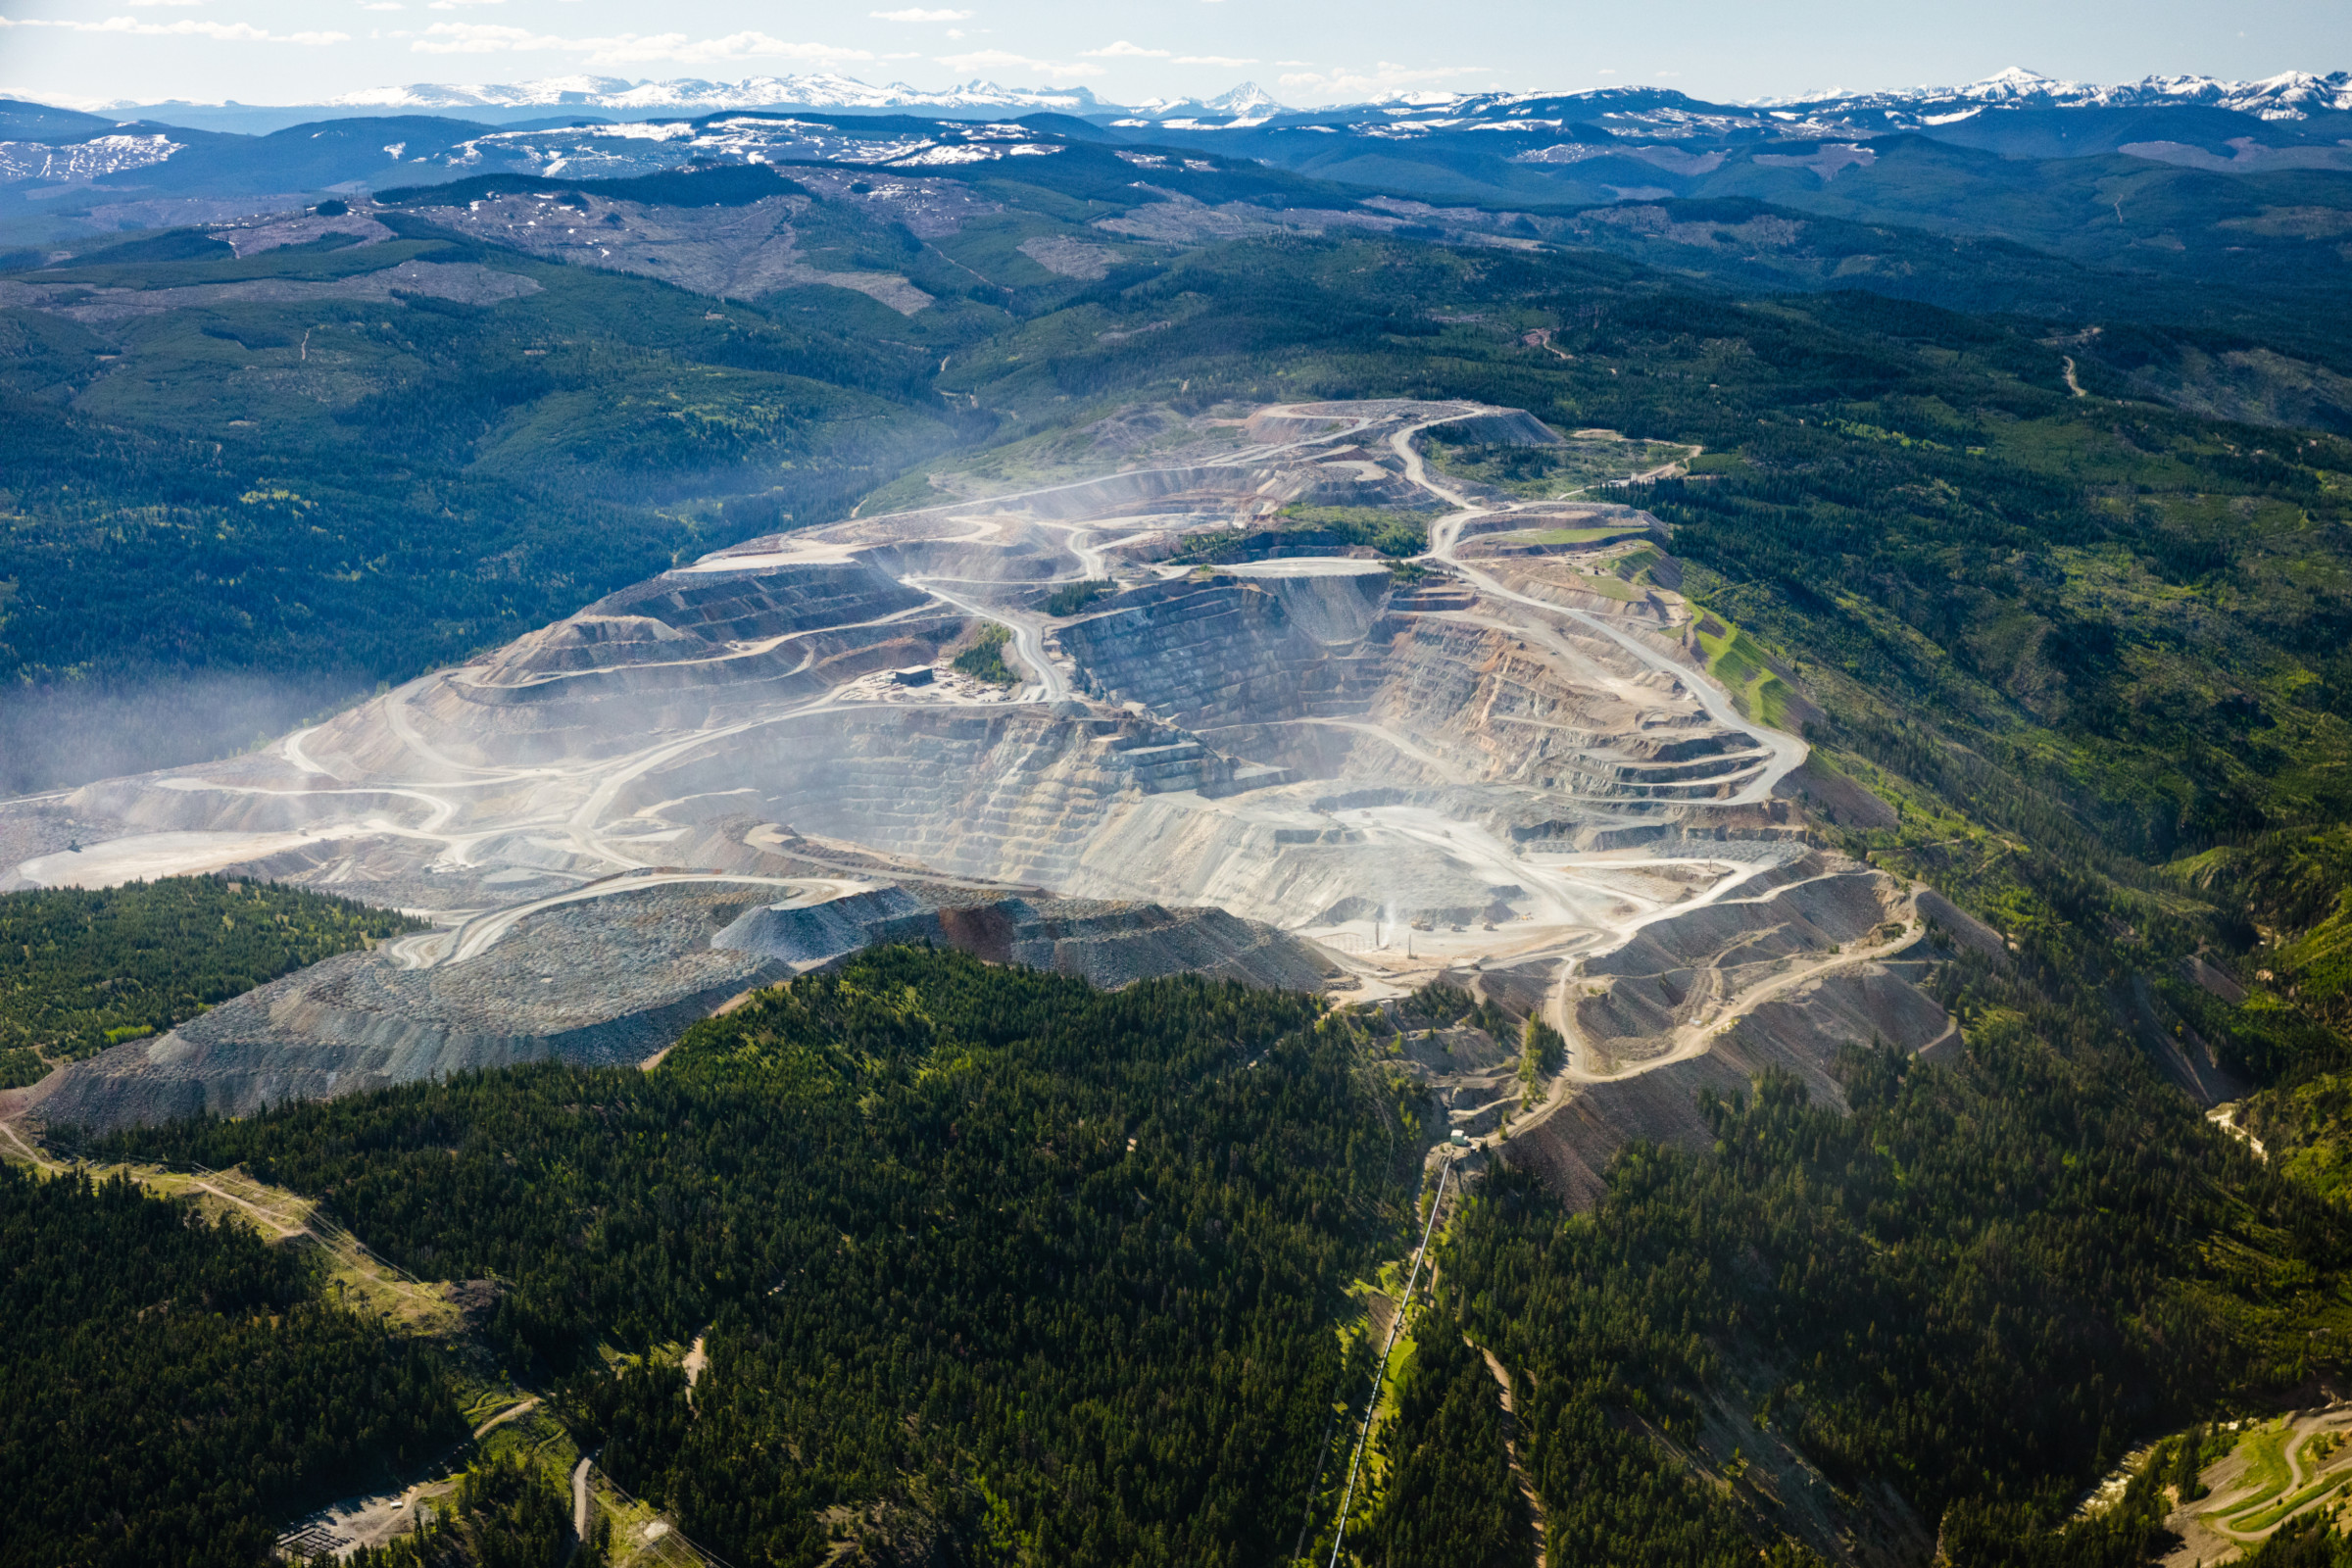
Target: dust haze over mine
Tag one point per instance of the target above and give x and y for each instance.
(794, 822)
(1499, 764)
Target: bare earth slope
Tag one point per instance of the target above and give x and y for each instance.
(1503, 763)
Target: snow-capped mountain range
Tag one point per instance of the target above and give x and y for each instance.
(2288, 96)
(2291, 96)
(690, 95)
(1614, 143)
(1249, 101)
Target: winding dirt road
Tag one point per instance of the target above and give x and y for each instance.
(1783, 753)
(1028, 641)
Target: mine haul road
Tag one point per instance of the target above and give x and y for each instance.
(1783, 755)
(1028, 640)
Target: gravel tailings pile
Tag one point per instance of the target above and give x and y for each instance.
(1109, 944)
(611, 980)
(1800, 1032)
(601, 982)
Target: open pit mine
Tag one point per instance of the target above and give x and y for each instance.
(1499, 762)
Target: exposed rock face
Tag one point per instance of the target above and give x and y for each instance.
(1658, 979)
(1109, 943)
(364, 1020)
(1505, 427)
(607, 981)
(1231, 650)
(1800, 1032)
(1502, 756)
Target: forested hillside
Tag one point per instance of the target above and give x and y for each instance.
(296, 476)
(1019, 1270)
(989, 1266)
(326, 495)
(81, 969)
(1936, 1292)
(1976, 1290)
(171, 1389)
(989, 1263)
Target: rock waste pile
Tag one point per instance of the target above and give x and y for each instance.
(1314, 764)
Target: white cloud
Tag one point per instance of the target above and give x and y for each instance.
(1387, 77)
(918, 14)
(452, 5)
(1005, 60)
(481, 38)
(1222, 60)
(626, 49)
(217, 31)
(678, 48)
(1123, 50)
(384, 5)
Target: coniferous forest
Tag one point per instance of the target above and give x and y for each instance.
(983, 1256)
(172, 1387)
(917, 1259)
(81, 969)
(990, 1264)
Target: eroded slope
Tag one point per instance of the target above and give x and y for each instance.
(1499, 756)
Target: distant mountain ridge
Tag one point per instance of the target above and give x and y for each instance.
(2290, 95)
(2016, 157)
(825, 89)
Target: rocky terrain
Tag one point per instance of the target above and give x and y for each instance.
(1500, 761)
(611, 979)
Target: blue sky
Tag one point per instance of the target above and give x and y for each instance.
(1304, 51)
